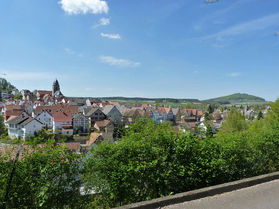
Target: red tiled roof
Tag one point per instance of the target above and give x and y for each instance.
(10, 113)
(167, 109)
(93, 137)
(13, 107)
(73, 109)
(141, 112)
(43, 92)
(160, 110)
(62, 117)
(101, 124)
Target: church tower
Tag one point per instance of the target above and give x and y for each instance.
(55, 87)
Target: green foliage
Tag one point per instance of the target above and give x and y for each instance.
(44, 177)
(210, 108)
(234, 122)
(5, 86)
(119, 131)
(3, 129)
(18, 96)
(151, 161)
(236, 99)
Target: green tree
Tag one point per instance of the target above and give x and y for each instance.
(210, 108)
(209, 131)
(260, 115)
(43, 177)
(234, 122)
(18, 96)
(137, 168)
(3, 129)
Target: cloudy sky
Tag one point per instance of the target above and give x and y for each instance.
(146, 48)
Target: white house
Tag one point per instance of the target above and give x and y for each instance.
(22, 126)
(46, 118)
(60, 121)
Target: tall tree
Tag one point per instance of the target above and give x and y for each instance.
(234, 122)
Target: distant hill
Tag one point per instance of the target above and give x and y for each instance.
(236, 99)
(142, 99)
(5, 86)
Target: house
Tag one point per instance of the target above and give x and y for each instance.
(95, 138)
(130, 116)
(15, 91)
(73, 146)
(6, 95)
(22, 126)
(72, 109)
(41, 94)
(80, 122)
(46, 118)
(161, 114)
(94, 114)
(176, 115)
(15, 112)
(27, 95)
(62, 120)
(112, 113)
(106, 127)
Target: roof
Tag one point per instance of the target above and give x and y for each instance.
(167, 109)
(160, 110)
(200, 113)
(73, 109)
(62, 117)
(106, 109)
(73, 146)
(93, 137)
(175, 111)
(131, 113)
(88, 111)
(102, 124)
(66, 130)
(13, 107)
(20, 120)
(43, 92)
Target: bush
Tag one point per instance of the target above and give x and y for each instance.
(151, 161)
(43, 177)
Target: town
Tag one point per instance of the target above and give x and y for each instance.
(89, 121)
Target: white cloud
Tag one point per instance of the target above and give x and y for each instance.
(84, 6)
(246, 27)
(72, 52)
(234, 75)
(104, 21)
(118, 62)
(111, 36)
(69, 51)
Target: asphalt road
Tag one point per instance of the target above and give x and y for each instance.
(261, 196)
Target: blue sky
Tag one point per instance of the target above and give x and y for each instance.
(145, 48)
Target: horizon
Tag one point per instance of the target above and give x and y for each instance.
(188, 50)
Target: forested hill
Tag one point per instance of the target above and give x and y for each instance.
(236, 99)
(5, 86)
(142, 99)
